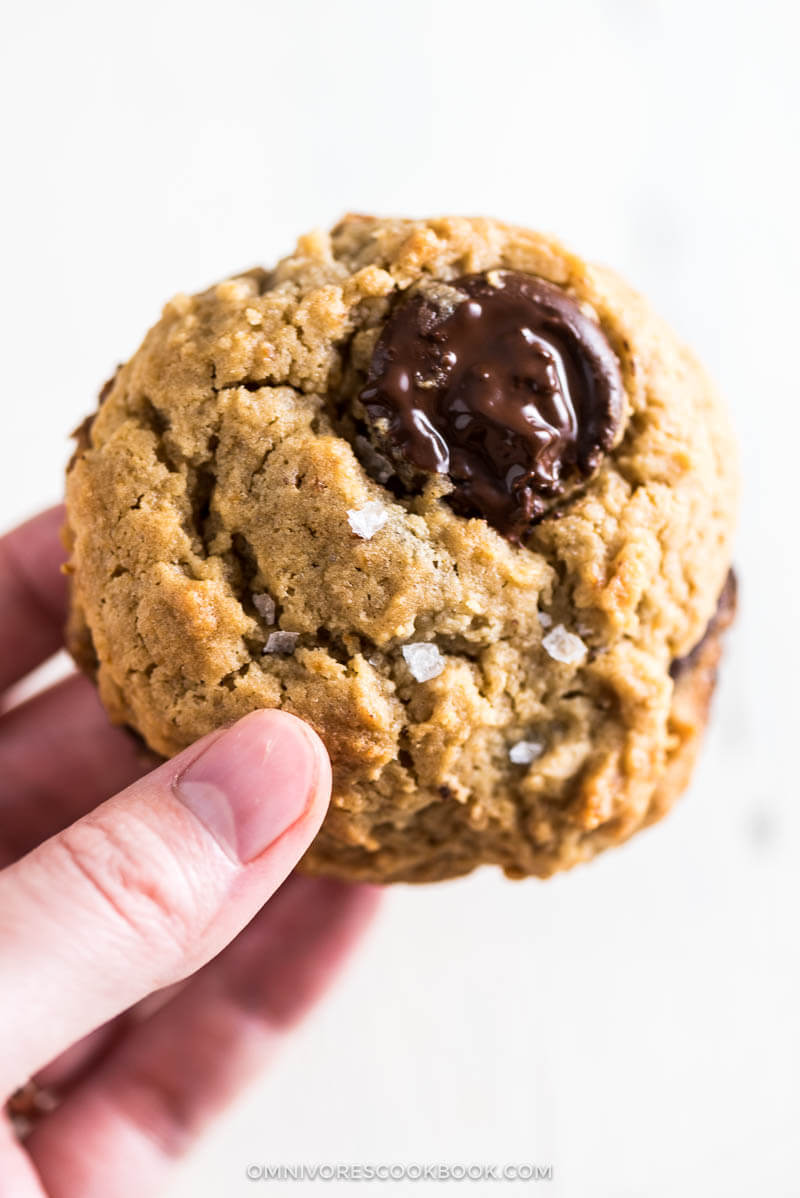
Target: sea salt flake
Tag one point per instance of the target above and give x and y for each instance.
(423, 660)
(265, 606)
(545, 619)
(525, 751)
(564, 646)
(368, 520)
(281, 642)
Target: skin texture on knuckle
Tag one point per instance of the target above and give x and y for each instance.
(138, 886)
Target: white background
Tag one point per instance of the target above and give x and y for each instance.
(635, 1023)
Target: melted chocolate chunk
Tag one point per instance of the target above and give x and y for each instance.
(501, 382)
(721, 619)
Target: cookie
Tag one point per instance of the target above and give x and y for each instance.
(448, 492)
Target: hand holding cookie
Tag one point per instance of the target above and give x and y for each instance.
(450, 493)
(110, 904)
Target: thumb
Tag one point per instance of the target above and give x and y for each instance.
(153, 883)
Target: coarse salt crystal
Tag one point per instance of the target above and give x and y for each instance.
(265, 606)
(423, 660)
(545, 619)
(368, 520)
(564, 646)
(525, 751)
(281, 642)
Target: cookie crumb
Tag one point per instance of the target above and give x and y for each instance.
(495, 278)
(368, 520)
(564, 646)
(265, 606)
(281, 642)
(443, 296)
(545, 619)
(423, 660)
(525, 751)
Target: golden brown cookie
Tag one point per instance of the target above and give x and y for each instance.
(451, 494)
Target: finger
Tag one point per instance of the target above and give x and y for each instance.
(70, 1066)
(122, 1129)
(33, 594)
(153, 883)
(65, 1070)
(73, 1064)
(59, 758)
(18, 1176)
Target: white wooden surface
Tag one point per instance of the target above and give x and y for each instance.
(636, 1023)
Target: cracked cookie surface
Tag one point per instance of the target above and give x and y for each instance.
(237, 541)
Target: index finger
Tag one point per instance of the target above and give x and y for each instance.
(33, 595)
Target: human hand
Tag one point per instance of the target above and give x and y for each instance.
(104, 906)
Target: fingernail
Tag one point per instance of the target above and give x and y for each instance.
(253, 782)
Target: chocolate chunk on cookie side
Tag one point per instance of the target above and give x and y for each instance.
(721, 620)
